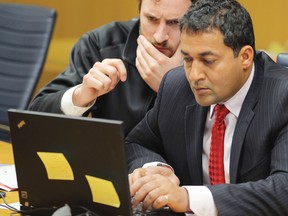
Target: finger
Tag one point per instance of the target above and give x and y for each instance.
(97, 80)
(133, 178)
(147, 69)
(145, 189)
(156, 198)
(141, 65)
(103, 71)
(151, 58)
(130, 178)
(140, 172)
(149, 52)
(119, 65)
(163, 170)
(161, 201)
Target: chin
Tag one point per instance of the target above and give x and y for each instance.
(203, 103)
(167, 53)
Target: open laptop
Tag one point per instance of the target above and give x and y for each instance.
(77, 161)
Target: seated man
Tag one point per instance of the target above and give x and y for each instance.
(231, 160)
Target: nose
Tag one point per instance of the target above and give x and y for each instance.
(194, 72)
(161, 34)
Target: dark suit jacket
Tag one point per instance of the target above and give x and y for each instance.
(173, 130)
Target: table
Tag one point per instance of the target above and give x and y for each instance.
(6, 157)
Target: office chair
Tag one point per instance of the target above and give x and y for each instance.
(25, 34)
(282, 59)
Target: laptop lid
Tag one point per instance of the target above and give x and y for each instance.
(70, 160)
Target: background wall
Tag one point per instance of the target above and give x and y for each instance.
(78, 16)
(270, 24)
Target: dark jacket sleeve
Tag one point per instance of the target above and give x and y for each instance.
(142, 145)
(82, 58)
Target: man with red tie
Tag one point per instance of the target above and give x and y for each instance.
(216, 140)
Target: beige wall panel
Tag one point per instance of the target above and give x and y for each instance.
(75, 17)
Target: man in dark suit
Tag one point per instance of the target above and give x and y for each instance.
(220, 67)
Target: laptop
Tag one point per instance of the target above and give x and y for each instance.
(78, 161)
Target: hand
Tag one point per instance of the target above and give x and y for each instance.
(152, 64)
(154, 189)
(138, 173)
(101, 79)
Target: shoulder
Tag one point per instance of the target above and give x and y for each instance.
(270, 69)
(274, 81)
(174, 83)
(114, 33)
(176, 76)
(115, 27)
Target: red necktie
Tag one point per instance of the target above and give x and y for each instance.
(216, 164)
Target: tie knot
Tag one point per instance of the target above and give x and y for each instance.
(220, 112)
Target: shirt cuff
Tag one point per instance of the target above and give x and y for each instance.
(157, 163)
(201, 201)
(69, 108)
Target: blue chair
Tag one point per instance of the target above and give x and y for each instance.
(25, 34)
(282, 59)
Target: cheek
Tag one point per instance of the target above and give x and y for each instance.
(147, 30)
(174, 37)
(229, 85)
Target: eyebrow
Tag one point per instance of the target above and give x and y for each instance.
(184, 53)
(207, 53)
(200, 54)
(147, 14)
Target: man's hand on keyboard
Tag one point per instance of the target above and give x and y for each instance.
(157, 187)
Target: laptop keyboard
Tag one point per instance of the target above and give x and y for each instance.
(164, 211)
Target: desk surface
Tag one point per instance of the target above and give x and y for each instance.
(6, 157)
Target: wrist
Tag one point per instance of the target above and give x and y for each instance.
(165, 165)
(157, 163)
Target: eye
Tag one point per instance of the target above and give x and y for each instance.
(187, 59)
(173, 22)
(151, 18)
(208, 61)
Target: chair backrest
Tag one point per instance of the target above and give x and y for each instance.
(25, 34)
(282, 59)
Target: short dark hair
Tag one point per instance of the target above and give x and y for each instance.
(140, 3)
(227, 16)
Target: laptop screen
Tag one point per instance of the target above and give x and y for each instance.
(70, 160)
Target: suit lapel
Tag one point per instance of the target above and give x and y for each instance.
(195, 118)
(238, 139)
(245, 117)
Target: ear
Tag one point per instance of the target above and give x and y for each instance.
(246, 56)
